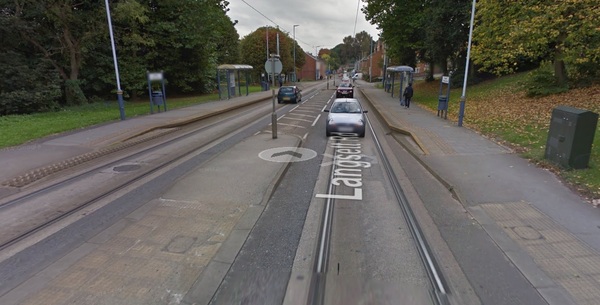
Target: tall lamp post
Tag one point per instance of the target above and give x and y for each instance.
(295, 25)
(463, 98)
(317, 63)
(114, 52)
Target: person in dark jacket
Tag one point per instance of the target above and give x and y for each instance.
(408, 93)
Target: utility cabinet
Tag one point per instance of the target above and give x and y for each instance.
(571, 136)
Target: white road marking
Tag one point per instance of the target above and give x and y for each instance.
(315, 122)
(298, 126)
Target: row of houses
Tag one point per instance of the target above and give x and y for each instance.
(370, 65)
(373, 64)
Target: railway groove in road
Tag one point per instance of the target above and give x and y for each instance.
(347, 151)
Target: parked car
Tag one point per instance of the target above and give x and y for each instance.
(345, 116)
(344, 89)
(289, 94)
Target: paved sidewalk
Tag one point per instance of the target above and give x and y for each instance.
(547, 231)
(176, 248)
(64, 146)
(37, 159)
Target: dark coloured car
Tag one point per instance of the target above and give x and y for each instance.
(289, 94)
(344, 90)
(346, 116)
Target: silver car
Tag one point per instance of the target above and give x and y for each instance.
(346, 116)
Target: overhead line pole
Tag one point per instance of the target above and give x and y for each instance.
(114, 52)
(463, 98)
(317, 63)
(295, 25)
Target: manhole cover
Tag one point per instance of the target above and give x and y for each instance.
(126, 168)
(180, 244)
(527, 233)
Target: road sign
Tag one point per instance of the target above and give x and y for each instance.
(155, 76)
(445, 79)
(269, 66)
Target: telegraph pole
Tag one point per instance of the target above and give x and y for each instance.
(295, 25)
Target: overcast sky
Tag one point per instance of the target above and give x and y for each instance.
(322, 23)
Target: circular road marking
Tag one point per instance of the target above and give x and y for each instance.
(287, 154)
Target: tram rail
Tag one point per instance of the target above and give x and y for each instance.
(317, 289)
(249, 115)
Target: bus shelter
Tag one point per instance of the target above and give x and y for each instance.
(403, 75)
(229, 79)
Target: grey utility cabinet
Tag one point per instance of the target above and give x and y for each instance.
(571, 136)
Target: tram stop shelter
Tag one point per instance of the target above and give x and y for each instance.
(232, 79)
(401, 74)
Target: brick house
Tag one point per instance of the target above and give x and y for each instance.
(313, 68)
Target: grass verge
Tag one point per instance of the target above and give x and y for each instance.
(19, 129)
(500, 110)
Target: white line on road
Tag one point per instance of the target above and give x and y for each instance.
(315, 122)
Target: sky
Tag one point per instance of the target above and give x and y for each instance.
(322, 23)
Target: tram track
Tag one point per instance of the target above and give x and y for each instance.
(440, 290)
(317, 290)
(184, 138)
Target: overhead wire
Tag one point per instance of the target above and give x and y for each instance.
(355, 19)
(281, 28)
(252, 7)
(275, 23)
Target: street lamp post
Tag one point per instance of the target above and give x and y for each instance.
(371, 61)
(317, 63)
(274, 113)
(295, 25)
(463, 98)
(114, 52)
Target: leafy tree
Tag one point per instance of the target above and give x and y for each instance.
(446, 32)
(300, 58)
(400, 22)
(434, 31)
(363, 42)
(254, 46)
(187, 36)
(508, 33)
(132, 43)
(185, 39)
(28, 83)
(57, 31)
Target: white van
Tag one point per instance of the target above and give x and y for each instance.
(357, 76)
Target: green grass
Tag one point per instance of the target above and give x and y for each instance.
(19, 129)
(488, 89)
(501, 110)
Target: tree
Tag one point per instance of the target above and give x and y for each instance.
(129, 19)
(400, 22)
(27, 84)
(332, 61)
(446, 32)
(57, 31)
(433, 31)
(363, 42)
(255, 50)
(508, 33)
(300, 58)
(188, 36)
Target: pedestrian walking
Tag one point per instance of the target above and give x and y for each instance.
(408, 93)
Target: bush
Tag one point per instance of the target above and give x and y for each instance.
(27, 86)
(542, 82)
